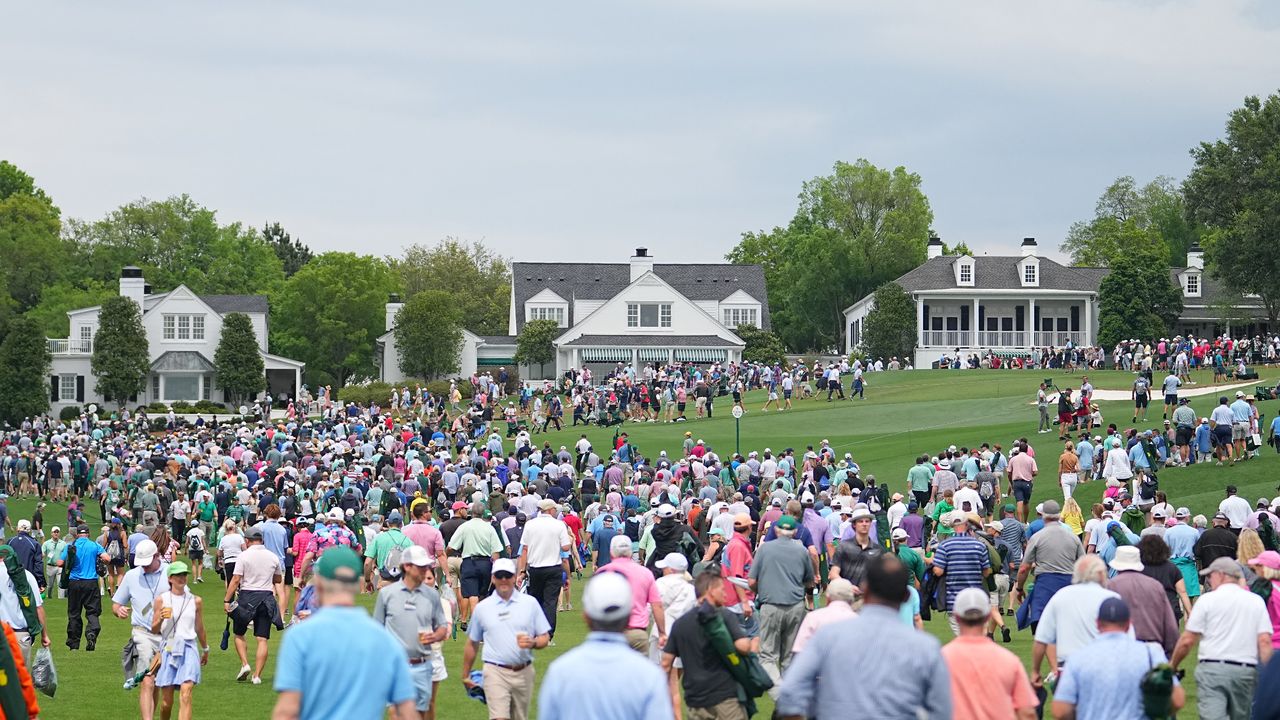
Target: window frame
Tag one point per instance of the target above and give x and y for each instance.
(661, 315)
(197, 327)
(1193, 285)
(1029, 273)
(966, 273)
(169, 327)
(63, 394)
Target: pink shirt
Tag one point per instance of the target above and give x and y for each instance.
(644, 589)
(426, 537)
(835, 612)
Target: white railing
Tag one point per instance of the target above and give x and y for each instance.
(1002, 338)
(67, 346)
(946, 338)
(1058, 338)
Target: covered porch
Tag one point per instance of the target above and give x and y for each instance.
(284, 376)
(1005, 323)
(601, 357)
(184, 375)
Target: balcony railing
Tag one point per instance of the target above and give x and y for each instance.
(946, 338)
(1000, 338)
(1059, 338)
(70, 347)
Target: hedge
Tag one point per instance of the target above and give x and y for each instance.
(70, 412)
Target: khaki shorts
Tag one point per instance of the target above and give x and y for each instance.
(455, 565)
(638, 640)
(1239, 431)
(148, 644)
(730, 709)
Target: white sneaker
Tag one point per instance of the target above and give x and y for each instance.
(256, 681)
(244, 673)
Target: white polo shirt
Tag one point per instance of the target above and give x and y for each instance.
(1229, 621)
(544, 535)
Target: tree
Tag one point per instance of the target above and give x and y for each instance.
(890, 327)
(762, 346)
(1234, 189)
(853, 231)
(238, 361)
(24, 371)
(429, 335)
(478, 278)
(1157, 209)
(961, 249)
(120, 359)
(330, 314)
(30, 242)
(1137, 299)
(68, 294)
(534, 344)
(292, 253)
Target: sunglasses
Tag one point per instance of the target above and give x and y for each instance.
(503, 575)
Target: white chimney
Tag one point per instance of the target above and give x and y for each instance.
(1028, 247)
(934, 248)
(1195, 257)
(393, 308)
(132, 285)
(641, 263)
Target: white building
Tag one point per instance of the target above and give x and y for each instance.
(183, 330)
(1007, 304)
(635, 312)
(1209, 309)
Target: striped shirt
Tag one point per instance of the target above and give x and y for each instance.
(963, 558)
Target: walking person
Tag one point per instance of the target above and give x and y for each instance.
(478, 544)
(339, 642)
(544, 559)
(963, 560)
(644, 594)
(1233, 630)
(178, 616)
(987, 681)
(632, 689)
(80, 561)
(1052, 553)
(51, 550)
(253, 587)
(1069, 620)
(511, 625)
(134, 600)
(1042, 404)
(710, 690)
(412, 611)
(780, 576)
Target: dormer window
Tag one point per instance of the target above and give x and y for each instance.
(1029, 274)
(1193, 285)
(1029, 271)
(966, 273)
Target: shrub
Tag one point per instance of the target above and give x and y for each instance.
(68, 413)
(378, 392)
(208, 406)
(158, 407)
(158, 424)
(440, 388)
(181, 406)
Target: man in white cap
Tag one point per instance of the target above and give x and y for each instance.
(631, 689)
(413, 612)
(544, 558)
(133, 601)
(986, 679)
(644, 592)
(510, 625)
(675, 587)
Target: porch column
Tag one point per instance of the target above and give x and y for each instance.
(919, 322)
(973, 325)
(297, 382)
(1087, 326)
(1031, 322)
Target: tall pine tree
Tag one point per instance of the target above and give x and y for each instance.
(121, 358)
(24, 369)
(238, 361)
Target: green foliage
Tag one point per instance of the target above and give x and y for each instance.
(366, 393)
(158, 407)
(428, 334)
(1137, 299)
(24, 371)
(181, 406)
(890, 328)
(958, 250)
(30, 241)
(120, 357)
(68, 294)
(1157, 209)
(534, 344)
(478, 279)
(854, 230)
(330, 315)
(292, 253)
(69, 413)
(1234, 189)
(241, 372)
(440, 388)
(762, 345)
(207, 406)
(13, 181)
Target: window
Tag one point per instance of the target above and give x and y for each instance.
(183, 327)
(548, 313)
(1029, 274)
(86, 338)
(206, 387)
(1193, 284)
(649, 315)
(67, 387)
(733, 317)
(155, 387)
(966, 273)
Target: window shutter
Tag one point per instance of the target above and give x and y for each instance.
(53, 388)
(79, 388)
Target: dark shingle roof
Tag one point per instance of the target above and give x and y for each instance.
(1213, 292)
(601, 281)
(651, 341)
(224, 304)
(1000, 272)
(498, 339)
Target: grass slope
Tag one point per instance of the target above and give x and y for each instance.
(904, 414)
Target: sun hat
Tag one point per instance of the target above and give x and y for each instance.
(860, 513)
(1126, 558)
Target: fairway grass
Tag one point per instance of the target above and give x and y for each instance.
(905, 414)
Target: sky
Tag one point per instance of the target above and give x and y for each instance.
(579, 131)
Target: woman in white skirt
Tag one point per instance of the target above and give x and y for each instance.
(179, 621)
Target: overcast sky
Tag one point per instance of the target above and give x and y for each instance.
(557, 131)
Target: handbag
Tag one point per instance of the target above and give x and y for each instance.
(1157, 690)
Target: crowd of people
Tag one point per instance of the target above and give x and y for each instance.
(714, 577)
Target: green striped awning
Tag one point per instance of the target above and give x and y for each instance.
(495, 361)
(654, 355)
(701, 355)
(605, 355)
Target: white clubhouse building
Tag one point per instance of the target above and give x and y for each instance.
(183, 330)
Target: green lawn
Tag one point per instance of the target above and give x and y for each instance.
(904, 414)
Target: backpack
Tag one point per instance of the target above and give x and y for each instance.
(194, 543)
(986, 489)
(391, 564)
(114, 551)
(1147, 488)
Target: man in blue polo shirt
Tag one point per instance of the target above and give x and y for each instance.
(964, 560)
(511, 625)
(340, 663)
(82, 589)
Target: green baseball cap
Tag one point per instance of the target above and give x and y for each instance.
(177, 567)
(786, 522)
(339, 563)
(1008, 507)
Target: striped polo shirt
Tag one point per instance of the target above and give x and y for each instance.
(963, 557)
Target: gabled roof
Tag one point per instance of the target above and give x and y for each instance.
(1212, 292)
(1000, 272)
(602, 281)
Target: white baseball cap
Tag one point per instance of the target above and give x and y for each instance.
(506, 565)
(145, 553)
(674, 561)
(972, 604)
(607, 597)
(416, 555)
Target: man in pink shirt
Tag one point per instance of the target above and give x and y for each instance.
(644, 595)
(426, 536)
(839, 607)
(737, 566)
